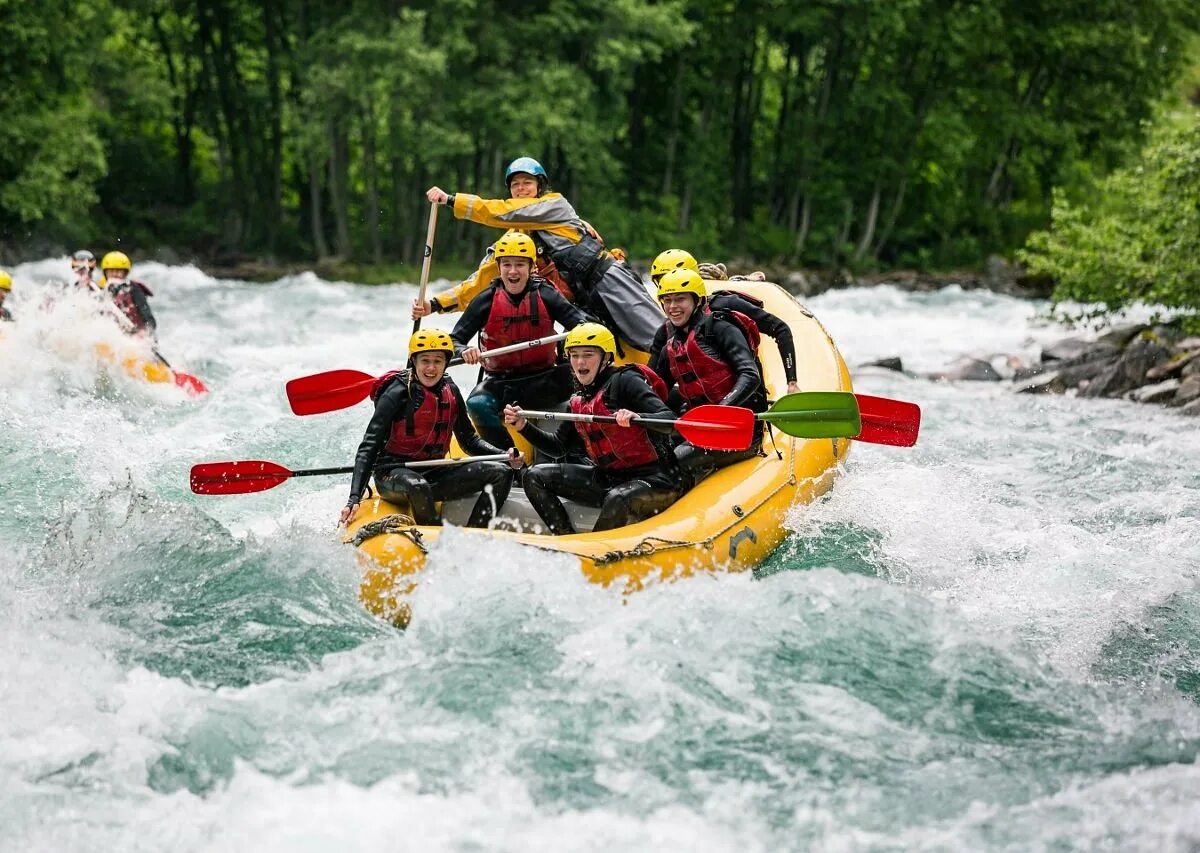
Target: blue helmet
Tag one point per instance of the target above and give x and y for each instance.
(527, 165)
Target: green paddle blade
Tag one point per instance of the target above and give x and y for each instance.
(816, 414)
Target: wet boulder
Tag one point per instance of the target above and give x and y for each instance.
(1189, 390)
(968, 369)
(1159, 392)
(889, 363)
(1128, 371)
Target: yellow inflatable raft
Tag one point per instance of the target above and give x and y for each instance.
(730, 522)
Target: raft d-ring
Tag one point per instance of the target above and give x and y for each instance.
(738, 511)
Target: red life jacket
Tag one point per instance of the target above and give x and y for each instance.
(610, 446)
(424, 433)
(511, 324)
(122, 297)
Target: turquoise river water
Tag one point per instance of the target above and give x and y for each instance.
(988, 641)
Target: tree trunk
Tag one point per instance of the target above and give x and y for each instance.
(339, 168)
(689, 185)
(673, 125)
(371, 172)
(316, 217)
(868, 232)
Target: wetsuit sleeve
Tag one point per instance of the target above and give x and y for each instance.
(562, 311)
(772, 326)
(550, 212)
(143, 306)
(629, 390)
(464, 431)
(733, 349)
(459, 297)
(389, 408)
(472, 320)
(658, 357)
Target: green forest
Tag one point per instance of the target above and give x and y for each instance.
(859, 133)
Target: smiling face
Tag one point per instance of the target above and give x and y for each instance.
(523, 185)
(679, 307)
(514, 272)
(429, 367)
(586, 363)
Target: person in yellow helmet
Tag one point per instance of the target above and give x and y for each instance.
(416, 411)
(602, 287)
(5, 289)
(706, 357)
(633, 474)
(129, 297)
(732, 301)
(516, 307)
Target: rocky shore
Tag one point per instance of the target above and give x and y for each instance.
(1155, 364)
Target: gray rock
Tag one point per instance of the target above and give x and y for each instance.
(890, 363)
(1159, 392)
(1189, 389)
(1085, 371)
(1047, 383)
(1192, 408)
(1191, 368)
(1066, 349)
(1023, 373)
(798, 282)
(1188, 344)
(968, 369)
(1175, 365)
(1007, 364)
(1129, 371)
(1120, 336)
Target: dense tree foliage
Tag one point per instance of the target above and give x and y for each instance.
(840, 131)
(1137, 236)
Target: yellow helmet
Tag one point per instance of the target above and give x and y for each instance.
(430, 340)
(116, 261)
(515, 244)
(672, 259)
(591, 335)
(5, 281)
(682, 281)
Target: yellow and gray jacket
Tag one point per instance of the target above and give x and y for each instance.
(576, 250)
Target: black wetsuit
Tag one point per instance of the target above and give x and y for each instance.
(623, 495)
(722, 338)
(769, 324)
(5, 315)
(421, 488)
(542, 389)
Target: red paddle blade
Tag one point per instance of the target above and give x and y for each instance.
(194, 385)
(236, 478)
(718, 427)
(885, 421)
(328, 392)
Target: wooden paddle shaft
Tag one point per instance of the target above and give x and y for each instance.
(428, 260)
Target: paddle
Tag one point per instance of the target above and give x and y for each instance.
(712, 427)
(433, 212)
(240, 478)
(840, 414)
(340, 389)
(885, 421)
(815, 414)
(186, 381)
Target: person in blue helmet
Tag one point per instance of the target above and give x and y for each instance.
(587, 272)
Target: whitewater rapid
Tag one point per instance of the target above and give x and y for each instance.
(988, 641)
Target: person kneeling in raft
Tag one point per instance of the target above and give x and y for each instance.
(516, 307)
(633, 475)
(5, 289)
(415, 411)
